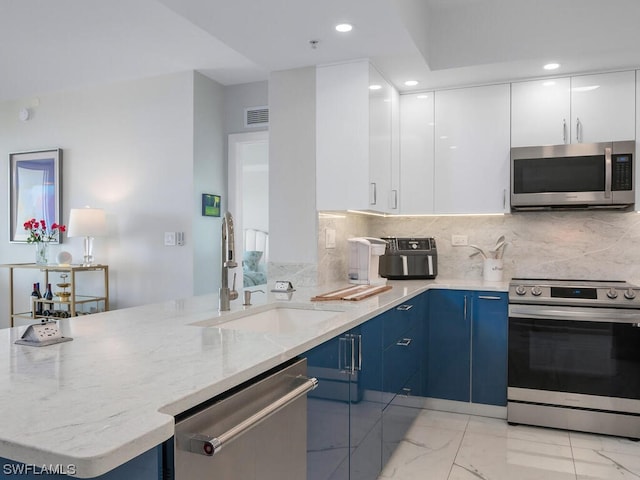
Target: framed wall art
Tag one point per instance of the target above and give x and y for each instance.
(35, 190)
(210, 205)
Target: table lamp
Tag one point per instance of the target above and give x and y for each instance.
(88, 223)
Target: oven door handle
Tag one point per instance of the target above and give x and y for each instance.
(571, 313)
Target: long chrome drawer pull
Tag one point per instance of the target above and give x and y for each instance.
(207, 445)
(488, 297)
(405, 342)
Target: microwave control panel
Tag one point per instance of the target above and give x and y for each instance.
(622, 172)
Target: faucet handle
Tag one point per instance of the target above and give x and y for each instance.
(233, 294)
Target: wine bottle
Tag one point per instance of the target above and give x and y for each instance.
(49, 296)
(35, 294)
(40, 306)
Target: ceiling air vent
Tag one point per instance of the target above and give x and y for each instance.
(256, 117)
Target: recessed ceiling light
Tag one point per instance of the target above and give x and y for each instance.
(411, 83)
(344, 27)
(375, 87)
(551, 66)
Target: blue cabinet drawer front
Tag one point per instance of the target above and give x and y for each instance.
(400, 320)
(401, 361)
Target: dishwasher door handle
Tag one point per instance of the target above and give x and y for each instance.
(209, 446)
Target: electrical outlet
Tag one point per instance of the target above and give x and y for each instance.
(330, 238)
(180, 238)
(169, 239)
(459, 240)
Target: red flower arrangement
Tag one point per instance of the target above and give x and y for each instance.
(38, 231)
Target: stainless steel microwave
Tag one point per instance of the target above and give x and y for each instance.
(581, 175)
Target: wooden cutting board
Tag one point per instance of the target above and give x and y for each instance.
(353, 293)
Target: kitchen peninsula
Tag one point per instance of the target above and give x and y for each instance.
(111, 394)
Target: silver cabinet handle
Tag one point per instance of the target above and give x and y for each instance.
(578, 132)
(464, 312)
(564, 130)
(607, 172)
(373, 194)
(404, 308)
(350, 361)
(489, 297)
(209, 446)
(394, 203)
(405, 342)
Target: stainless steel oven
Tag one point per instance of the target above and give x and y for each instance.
(574, 355)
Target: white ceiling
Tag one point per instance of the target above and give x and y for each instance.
(48, 46)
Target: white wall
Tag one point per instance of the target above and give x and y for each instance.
(292, 181)
(128, 148)
(210, 176)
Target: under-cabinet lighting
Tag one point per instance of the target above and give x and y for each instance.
(408, 215)
(411, 83)
(551, 66)
(375, 87)
(422, 96)
(586, 88)
(550, 83)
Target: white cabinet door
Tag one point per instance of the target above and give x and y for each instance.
(416, 153)
(342, 136)
(357, 158)
(582, 109)
(603, 107)
(380, 145)
(472, 150)
(540, 112)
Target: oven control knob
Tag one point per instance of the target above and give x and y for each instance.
(630, 294)
(612, 293)
(520, 290)
(536, 291)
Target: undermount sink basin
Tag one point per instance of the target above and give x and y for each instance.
(277, 319)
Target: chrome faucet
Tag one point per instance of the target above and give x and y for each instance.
(228, 262)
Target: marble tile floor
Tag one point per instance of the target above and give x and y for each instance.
(451, 446)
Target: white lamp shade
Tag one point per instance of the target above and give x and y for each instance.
(87, 222)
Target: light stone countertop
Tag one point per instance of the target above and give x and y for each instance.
(111, 393)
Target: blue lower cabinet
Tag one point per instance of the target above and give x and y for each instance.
(449, 345)
(147, 466)
(344, 412)
(489, 356)
(467, 346)
(361, 374)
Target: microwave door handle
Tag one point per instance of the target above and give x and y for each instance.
(607, 172)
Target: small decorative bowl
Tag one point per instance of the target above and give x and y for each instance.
(63, 295)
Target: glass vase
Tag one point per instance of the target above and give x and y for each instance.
(42, 253)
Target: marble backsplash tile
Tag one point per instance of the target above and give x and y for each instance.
(589, 244)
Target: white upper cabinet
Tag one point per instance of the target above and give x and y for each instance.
(540, 112)
(472, 150)
(356, 156)
(416, 153)
(581, 109)
(603, 107)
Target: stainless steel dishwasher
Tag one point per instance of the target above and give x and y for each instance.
(256, 431)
